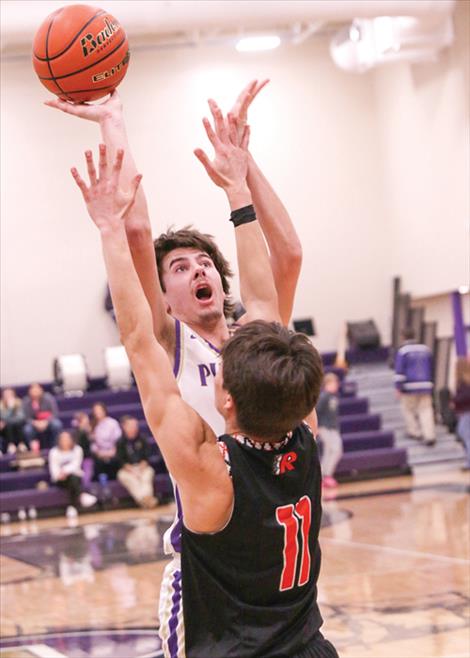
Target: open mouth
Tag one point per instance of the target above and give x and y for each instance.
(204, 292)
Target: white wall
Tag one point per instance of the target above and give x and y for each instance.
(424, 130)
(340, 149)
(313, 133)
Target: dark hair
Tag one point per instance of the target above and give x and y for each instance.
(69, 433)
(190, 238)
(127, 417)
(274, 376)
(93, 420)
(408, 333)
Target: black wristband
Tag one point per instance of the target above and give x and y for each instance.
(243, 215)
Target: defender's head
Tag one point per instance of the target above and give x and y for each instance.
(194, 276)
(269, 380)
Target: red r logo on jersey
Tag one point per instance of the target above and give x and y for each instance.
(283, 463)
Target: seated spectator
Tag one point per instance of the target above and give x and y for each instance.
(328, 428)
(105, 433)
(82, 434)
(12, 421)
(65, 467)
(41, 412)
(135, 474)
(461, 403)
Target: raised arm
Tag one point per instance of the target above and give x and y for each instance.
(188, 445)
(109, 117)
(228, 170)
(283, 242)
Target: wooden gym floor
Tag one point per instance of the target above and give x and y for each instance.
(395, 579)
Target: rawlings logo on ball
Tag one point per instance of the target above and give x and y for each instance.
(89, 43)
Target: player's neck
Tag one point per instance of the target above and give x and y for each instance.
(215, 333)
(231, 427)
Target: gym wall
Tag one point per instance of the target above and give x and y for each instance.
(325, 139)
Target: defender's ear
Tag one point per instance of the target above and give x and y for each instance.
(228, 403)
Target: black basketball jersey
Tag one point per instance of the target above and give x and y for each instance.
(250, 589)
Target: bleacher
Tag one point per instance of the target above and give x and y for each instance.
(368, 450)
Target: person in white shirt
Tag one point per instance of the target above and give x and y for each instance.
(65, 467)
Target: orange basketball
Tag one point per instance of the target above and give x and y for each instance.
(80, 53)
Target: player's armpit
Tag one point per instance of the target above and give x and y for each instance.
(190, 450)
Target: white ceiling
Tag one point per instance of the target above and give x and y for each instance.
(171, 19)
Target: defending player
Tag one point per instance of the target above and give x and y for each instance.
(263, 516)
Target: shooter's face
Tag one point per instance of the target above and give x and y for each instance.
(193, 287)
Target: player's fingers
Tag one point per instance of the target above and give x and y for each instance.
(245, 138)
(259, 87)
(214, 140)
(202, 157)
(219, 122)
(103, 162)
(232, 129)
(117, 166)
(80, 182)
(70, 108)
(245, 105)
(90, 167)
(246, 90)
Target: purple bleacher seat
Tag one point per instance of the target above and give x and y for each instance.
(27, 479)
(367, 440)
(372, 460)
(348, 406)
(86, 401)
(376, 355)
(339, 372)
(360, 422)
(53, 497)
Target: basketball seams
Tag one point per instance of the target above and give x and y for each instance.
(67, 75)
(49, 64)
(99, 13)
(113, 61)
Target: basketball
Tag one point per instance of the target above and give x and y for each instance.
(80, 53)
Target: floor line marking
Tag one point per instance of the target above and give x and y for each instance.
(401, 551)
(43, 651)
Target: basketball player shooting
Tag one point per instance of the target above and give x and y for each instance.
(253, 496)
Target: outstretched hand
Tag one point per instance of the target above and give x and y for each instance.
(240, 108)
(106, 202)
(97, 112)
(229, 167)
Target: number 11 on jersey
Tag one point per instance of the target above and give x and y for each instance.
(289, 516)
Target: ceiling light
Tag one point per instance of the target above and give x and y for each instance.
(254, 44)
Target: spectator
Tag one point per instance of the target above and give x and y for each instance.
(135, 474)
(82, 434)
(105, 432)
(12, 421)
(65, 467)
(461, 403)
(328, 428)
(41, 412)
(413, 381)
